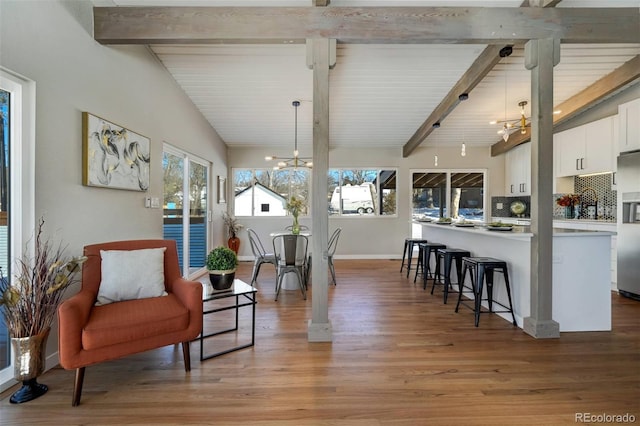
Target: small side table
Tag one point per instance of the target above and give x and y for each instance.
(244, 293)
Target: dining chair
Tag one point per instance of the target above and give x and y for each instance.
(333, 243)
(260, 255)
(331, 249)
(291, 255)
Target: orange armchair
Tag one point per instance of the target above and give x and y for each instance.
(90, 334)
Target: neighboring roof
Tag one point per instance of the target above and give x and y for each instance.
(264, 188)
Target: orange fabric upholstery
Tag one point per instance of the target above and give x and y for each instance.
(91, 334)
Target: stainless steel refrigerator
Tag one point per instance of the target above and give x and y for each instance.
(628, 187)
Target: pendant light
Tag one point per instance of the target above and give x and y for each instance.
(463, 149)
(435, 157)
(295, 161)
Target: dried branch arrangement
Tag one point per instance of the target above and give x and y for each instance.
(29, 304)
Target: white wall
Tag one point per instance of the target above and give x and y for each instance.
(49, 42)
(372, 237)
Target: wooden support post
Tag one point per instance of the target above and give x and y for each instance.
(319, 328)
(540, 57)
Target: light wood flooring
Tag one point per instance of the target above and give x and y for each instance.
(398, 357)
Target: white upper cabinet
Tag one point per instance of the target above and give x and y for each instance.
(517, 166)
(585, 149)
(629, 126)
(599, 146)
(569, 150)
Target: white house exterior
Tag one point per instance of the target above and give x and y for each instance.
(265, 202)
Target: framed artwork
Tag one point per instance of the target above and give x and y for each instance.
(113, 156)
(222, 190)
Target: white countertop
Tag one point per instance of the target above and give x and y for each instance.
(517, 232)
(560, 220)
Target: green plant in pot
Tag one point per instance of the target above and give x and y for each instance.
(221, 263)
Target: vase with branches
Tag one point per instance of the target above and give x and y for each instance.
(29, 304)
(294, 207)
(569, 201)
(233, 228)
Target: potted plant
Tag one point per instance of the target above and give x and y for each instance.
(568, 201)
(233, 228)
(29, 304)
(221, 263)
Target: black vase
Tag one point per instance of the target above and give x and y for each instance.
(222, 280)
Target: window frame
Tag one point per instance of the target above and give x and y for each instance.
(375, 214)
(22, 180)
(254, 180)
(448, 172)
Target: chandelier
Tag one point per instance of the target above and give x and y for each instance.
(295, 161)
(511, 126)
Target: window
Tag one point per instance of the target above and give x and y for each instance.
(362, 192)
(264, 192)
(465, 197)
(429, 194)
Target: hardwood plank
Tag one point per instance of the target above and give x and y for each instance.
(399, 356)
(586, 98)
(196, 25)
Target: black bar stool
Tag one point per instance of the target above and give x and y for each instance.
(482, 268)
(409, 244)
(446, 256)
(424, 260)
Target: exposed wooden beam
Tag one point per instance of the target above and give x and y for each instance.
(480, 68)
(573, 106)
(540, 3)
(468, 25)
(489, 57)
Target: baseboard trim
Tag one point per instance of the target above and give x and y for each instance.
(345, 257)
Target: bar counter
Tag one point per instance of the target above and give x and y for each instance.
(581, 270)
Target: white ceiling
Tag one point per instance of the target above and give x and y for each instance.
(379, 94)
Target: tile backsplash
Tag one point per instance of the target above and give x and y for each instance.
(501, 206)
(595, 191)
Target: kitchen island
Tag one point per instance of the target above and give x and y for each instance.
(581, 270)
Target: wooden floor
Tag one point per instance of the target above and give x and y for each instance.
(398, 357)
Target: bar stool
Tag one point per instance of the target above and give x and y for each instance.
(484, 268)
(446, 256)
(424, 260)
(409, 244)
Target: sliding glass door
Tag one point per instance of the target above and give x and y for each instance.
(5, 117)
(17, 174)
(186, 212)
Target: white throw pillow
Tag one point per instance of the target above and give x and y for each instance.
(131, 274)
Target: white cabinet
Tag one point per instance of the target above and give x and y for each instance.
(616, 152)
(517, 167)
(597, 226)
(629, 126)
(585, 149)
(569, 150)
